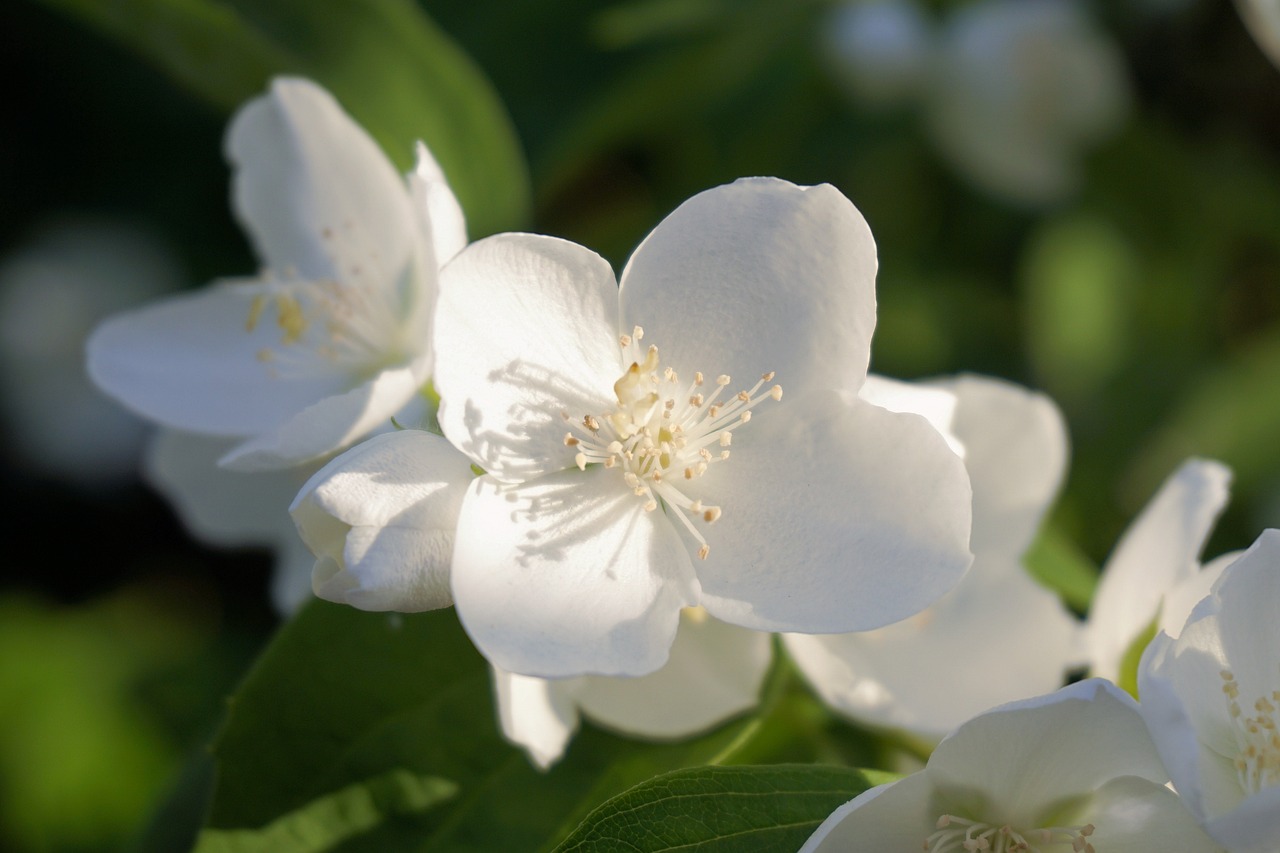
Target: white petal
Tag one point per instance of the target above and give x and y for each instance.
(714, 672)
(536, 714)
(837, 516)
(1252, 828)
(315, 193)
(330, 424)
(1028, 756)
(1183, 597)
(1249, 591)
(897, 816)
(381, 520)
(525, 330)
(191, 362)
(1015, 444)
(1132, 815)
(437, 207)
(930, 401)
(755, 276)
(1160, 548)
(568, 575)
(999, 636)
(291, 577)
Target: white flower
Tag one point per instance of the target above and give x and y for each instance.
(714, 673)
(52, 292)
(880, 49)
(999, 635)
(1211, 699)
(1020, 89)
(1262, 17)
(331, 339)
(1070, 772)
(1153, 576)
(610, 500)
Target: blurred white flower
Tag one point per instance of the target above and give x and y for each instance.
(879, 49)
(714, 673)
(1020, 90)
(1262, 17)
(1154, 577)
(607, 459)
(332, 339)
(1071, 771)
(1211, 699)
(52, 292)
(999, 635)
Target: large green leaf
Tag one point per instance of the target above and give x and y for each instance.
(721, 809)
(392, 68)
(342, 697)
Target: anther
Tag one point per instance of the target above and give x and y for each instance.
(776, 392)
(570, 441)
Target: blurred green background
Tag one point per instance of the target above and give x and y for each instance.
(1146, 300)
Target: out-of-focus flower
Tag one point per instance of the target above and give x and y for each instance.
(52, 293)
(608, 463)
(1262, 17)
(999, 635)
(1020, 90)
(714, 673)
(332, 339)
(880, 50)
(1211, 700)
(1071, 771)
(1154, 577)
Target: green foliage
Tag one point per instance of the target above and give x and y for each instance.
(1058, 564)
(772, 808)
(1128, 677)
(392, 68)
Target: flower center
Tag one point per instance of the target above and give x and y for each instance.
(663, 431)
(1258, 760)
(960, 834)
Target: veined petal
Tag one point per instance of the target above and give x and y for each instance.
(536, 714)
(1029, 756)
(997, 637)
(837, 516)
(381, 520)
(568, 575)
(755, 276)
(314, 191)
(714, 672)
(525, 331)
(896, 816)
(1159, 549)
(331, 424)
(1015, 444)
(192, 362)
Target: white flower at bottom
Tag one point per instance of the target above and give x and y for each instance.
(1211, 699)
(714, 673)
(999, 635)
(1070, 772)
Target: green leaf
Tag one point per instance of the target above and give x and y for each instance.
(392, 68)
(720, 809)
(320, 825)
(1058, 563)
(1128, 676)
(342, 696)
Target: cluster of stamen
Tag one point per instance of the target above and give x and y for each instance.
(355, 313)
(960, 834)
(1258, 761)
(665, 433)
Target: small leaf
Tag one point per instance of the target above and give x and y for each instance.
(720, 809)
(1128, 676)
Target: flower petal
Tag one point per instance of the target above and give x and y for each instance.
(837, 516)
(888, 817)
(714, 672)
(1139, 816)
(381, 520)
(997, 637)
(525, 330)
(1031, 755)
(1252, 828)
(437, 207)
(755, 276)
(568, 575)
(929, 400)
(332, 423)
(191, 362)
(536, 714)
(1159, 549)
(315, 192)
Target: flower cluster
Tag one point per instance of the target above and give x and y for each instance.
(606, 479)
